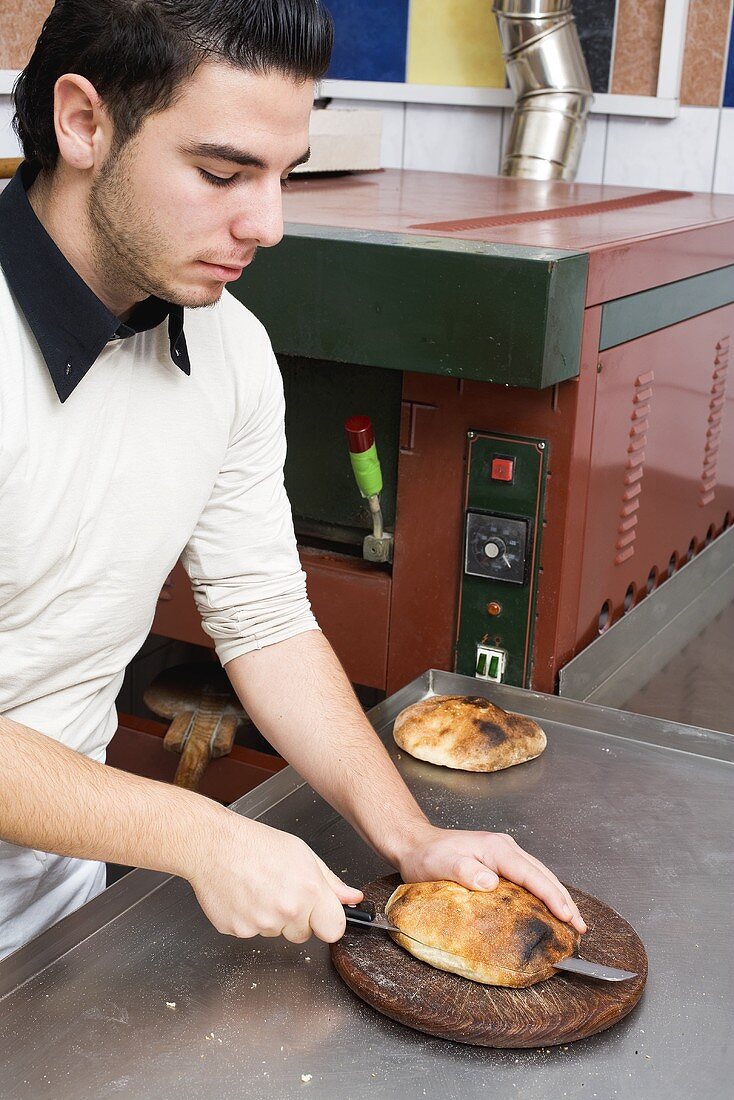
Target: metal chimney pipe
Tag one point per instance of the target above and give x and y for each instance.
(548, 74)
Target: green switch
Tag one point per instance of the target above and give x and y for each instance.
(491, 663)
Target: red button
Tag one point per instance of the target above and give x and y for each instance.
(503, 469)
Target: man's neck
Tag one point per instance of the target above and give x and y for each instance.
(61, 209)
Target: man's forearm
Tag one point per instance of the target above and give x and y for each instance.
(298, 695)
(312, 717)
(56, 800)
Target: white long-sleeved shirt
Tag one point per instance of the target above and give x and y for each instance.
(99, 497)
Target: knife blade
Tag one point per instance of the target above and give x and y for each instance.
(367, 916)
(594, 969)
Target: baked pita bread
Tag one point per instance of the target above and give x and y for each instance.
(505, 936)
(467, 732)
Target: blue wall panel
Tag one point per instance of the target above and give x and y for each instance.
(729, 86)
(371, 39)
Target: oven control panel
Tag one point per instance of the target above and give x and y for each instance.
(505, 500)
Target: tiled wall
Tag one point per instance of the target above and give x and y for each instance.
(455, 42)
(20, 22)
(702, 81)
(693, 152)
(637, 46)
(372, 38)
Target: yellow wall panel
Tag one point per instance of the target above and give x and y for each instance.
(454, 42)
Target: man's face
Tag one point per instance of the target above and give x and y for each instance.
(183, 206)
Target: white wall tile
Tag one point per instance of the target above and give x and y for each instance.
(637, 152)
(724, 173)
(9, 146)
(453, 139)
(591, 164)
(667, 153)
(506, 125)
(393, 126)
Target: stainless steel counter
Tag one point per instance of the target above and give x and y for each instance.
(136, 995)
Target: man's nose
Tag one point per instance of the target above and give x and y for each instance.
(263, 220)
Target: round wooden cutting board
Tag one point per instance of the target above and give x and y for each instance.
(562, 1009)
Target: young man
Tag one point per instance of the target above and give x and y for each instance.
(157, 136)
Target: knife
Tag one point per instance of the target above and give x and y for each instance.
(367, 916)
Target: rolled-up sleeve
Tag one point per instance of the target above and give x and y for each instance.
(242, 558)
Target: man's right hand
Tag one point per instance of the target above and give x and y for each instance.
(252, 880)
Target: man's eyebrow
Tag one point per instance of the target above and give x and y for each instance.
(232, 155)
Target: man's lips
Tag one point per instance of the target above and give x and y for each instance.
(226, 271)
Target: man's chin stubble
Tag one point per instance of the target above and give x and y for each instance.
(189, 301)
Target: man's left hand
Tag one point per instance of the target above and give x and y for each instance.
(475, 860)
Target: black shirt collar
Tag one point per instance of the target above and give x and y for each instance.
(71, 325)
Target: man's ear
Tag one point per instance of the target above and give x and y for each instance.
(83, 127)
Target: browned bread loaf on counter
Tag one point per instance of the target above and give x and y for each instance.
(505, 936)
(467, 732)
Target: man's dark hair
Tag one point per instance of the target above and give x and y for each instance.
(137, 53)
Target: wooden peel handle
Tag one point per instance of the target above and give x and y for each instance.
(200, 736)
(9, 166)
(193, 763)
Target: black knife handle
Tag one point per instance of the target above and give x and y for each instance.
(360, 914)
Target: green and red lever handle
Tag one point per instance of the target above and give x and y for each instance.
(368, 475)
